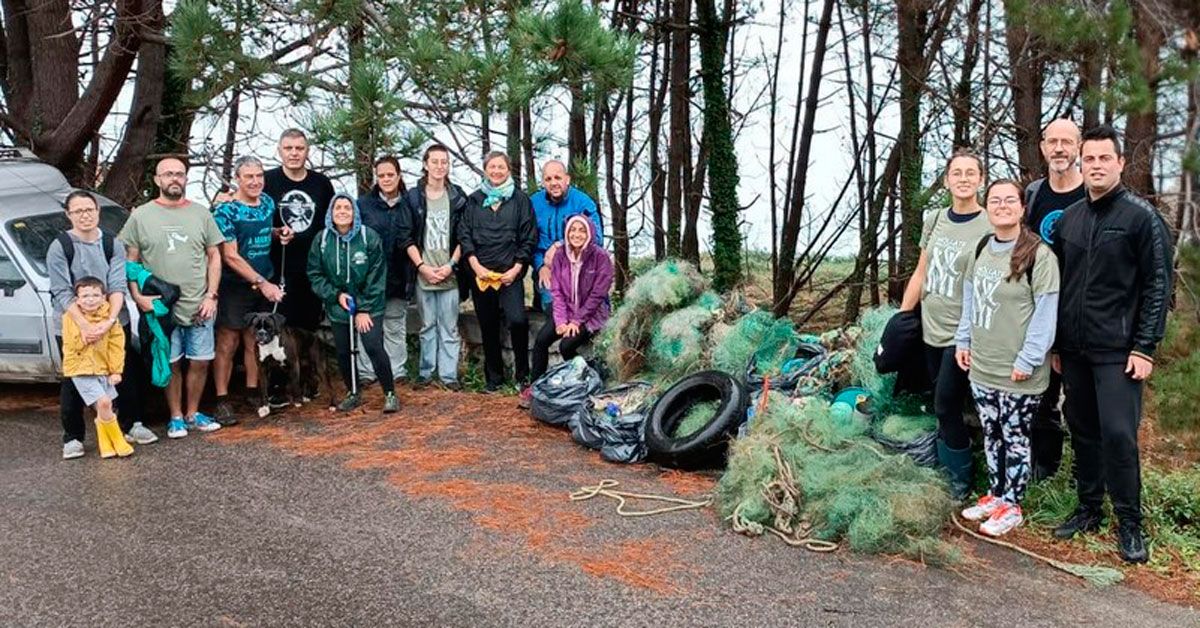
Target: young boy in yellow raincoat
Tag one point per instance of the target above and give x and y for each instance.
(95, 368)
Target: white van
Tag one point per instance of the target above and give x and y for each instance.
(31, 216)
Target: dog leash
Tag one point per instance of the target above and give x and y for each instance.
(282, 265)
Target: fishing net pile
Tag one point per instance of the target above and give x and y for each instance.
(808, 473)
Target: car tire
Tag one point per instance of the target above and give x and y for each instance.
(706, 447)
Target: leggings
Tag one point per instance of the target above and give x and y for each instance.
(567, 347)
(370, 342)
(950, 390)
(1006, 418)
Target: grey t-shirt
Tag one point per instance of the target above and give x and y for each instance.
(1003, 315)
(436, 247)
(88, 262)
(948, 246)
(172, 242)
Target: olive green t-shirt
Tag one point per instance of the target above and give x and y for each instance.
(948, 246)
(172, 242)
(1001, 311)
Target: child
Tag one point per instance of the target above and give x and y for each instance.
(95, 368)
(1010, 309)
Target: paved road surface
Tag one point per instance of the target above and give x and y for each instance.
(453, 513)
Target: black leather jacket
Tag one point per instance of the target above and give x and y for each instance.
(1116, 260)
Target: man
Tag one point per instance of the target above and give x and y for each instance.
(1045, 200)
(246, 225)
(83, 251)
(303, 197)
(1115, 254)
(552, 206)
(176, 240)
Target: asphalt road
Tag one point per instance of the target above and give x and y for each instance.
(453, 513)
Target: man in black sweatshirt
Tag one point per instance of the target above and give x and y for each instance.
(1115, 252)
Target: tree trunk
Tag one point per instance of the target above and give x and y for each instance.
(791, 229)
(527, 144)
(130, 173)
(513, 146)
(911, 16)
(679, 148)
(718, 136)
(1091, 70)
(577, 131)
(658, 96)
(1026, 76)
(1141, 126)
(961, 103)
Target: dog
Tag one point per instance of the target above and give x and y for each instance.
(295, 352)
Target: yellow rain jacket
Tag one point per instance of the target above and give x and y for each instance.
(106, 356)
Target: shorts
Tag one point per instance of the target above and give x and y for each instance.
(194, 341)
(93, 387)
(237, 300)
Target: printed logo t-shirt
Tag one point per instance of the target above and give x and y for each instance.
(949, 242)
(1002, 311)
(173, 243)
(250, 227)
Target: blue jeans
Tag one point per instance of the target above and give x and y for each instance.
(440, 343)
(194, 341)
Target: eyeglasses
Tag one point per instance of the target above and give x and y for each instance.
(172, 175)
(996, 201)
(83, 211)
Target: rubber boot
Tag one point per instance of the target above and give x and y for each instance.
(104, 441)
(119, 444)
(960, 467)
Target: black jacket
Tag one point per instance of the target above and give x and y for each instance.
(385, 220)
(498, 239)
(1116, 260)
(411, 229)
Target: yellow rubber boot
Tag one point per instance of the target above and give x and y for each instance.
(119, 444)
(104, 440)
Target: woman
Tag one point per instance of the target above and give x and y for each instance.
(497, 235)
(426, 235)
(948, 240)
(580, 278)
(1009, 314)
(381, 208)
(348, 273)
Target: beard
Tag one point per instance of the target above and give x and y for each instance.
(173, 192)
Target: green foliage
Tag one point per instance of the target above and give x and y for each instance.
(1176, 379)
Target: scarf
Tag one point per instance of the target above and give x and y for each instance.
(496, 195)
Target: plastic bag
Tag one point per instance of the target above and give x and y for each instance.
(914, 435)
(564, 390)
(614, 421)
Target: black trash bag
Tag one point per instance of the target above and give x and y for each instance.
(564, 390)
(608, 425)
(784, 382)
(922, 450)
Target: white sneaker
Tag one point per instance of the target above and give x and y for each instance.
(982, 508)
(140, 434)
(176, 428)
(1003, 520)
(72, 449)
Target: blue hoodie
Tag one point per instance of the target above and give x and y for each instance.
(352, 263)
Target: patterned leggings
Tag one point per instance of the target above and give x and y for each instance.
(1006, 419)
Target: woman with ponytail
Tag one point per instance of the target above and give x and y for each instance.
(1009, 314)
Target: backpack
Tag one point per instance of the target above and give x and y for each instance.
(68, 247)
(984, 242)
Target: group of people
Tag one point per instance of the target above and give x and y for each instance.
(284, 242)
(1065, 282)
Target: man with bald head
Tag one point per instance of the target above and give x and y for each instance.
(1045, 200)
(556, 202)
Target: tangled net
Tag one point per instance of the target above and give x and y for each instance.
(804, 473)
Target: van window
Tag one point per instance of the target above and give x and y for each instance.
(35, 233)
(8, 268)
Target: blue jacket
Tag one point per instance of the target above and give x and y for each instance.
(385, 220)
(552, 218)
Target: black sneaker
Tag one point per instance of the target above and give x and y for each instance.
(1130, 542)
(224, 414)
(1082, 520)
(351, 402)
(278, 401)
(452, 386)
